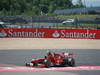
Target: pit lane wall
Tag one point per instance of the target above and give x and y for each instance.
(50, 33)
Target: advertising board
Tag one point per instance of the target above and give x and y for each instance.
(49, 33)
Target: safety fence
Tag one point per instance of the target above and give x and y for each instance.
(49, 33)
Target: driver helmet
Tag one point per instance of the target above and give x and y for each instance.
(66, 53)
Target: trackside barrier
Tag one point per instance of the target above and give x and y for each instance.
(50, 33)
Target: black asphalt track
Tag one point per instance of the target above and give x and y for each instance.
(84, 57)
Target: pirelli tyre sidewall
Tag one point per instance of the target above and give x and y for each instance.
(29, 64)
(69, 62)
(47, 63)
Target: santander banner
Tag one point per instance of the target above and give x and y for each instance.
(49, 33)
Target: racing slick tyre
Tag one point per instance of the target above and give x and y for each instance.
(47, 63)
(71, 62)
(29, 64)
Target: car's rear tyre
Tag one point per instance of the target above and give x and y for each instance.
(71, 62)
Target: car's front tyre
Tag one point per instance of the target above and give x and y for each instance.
(47, 63)
(30, 64)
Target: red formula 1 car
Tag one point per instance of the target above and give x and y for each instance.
(53, 59)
